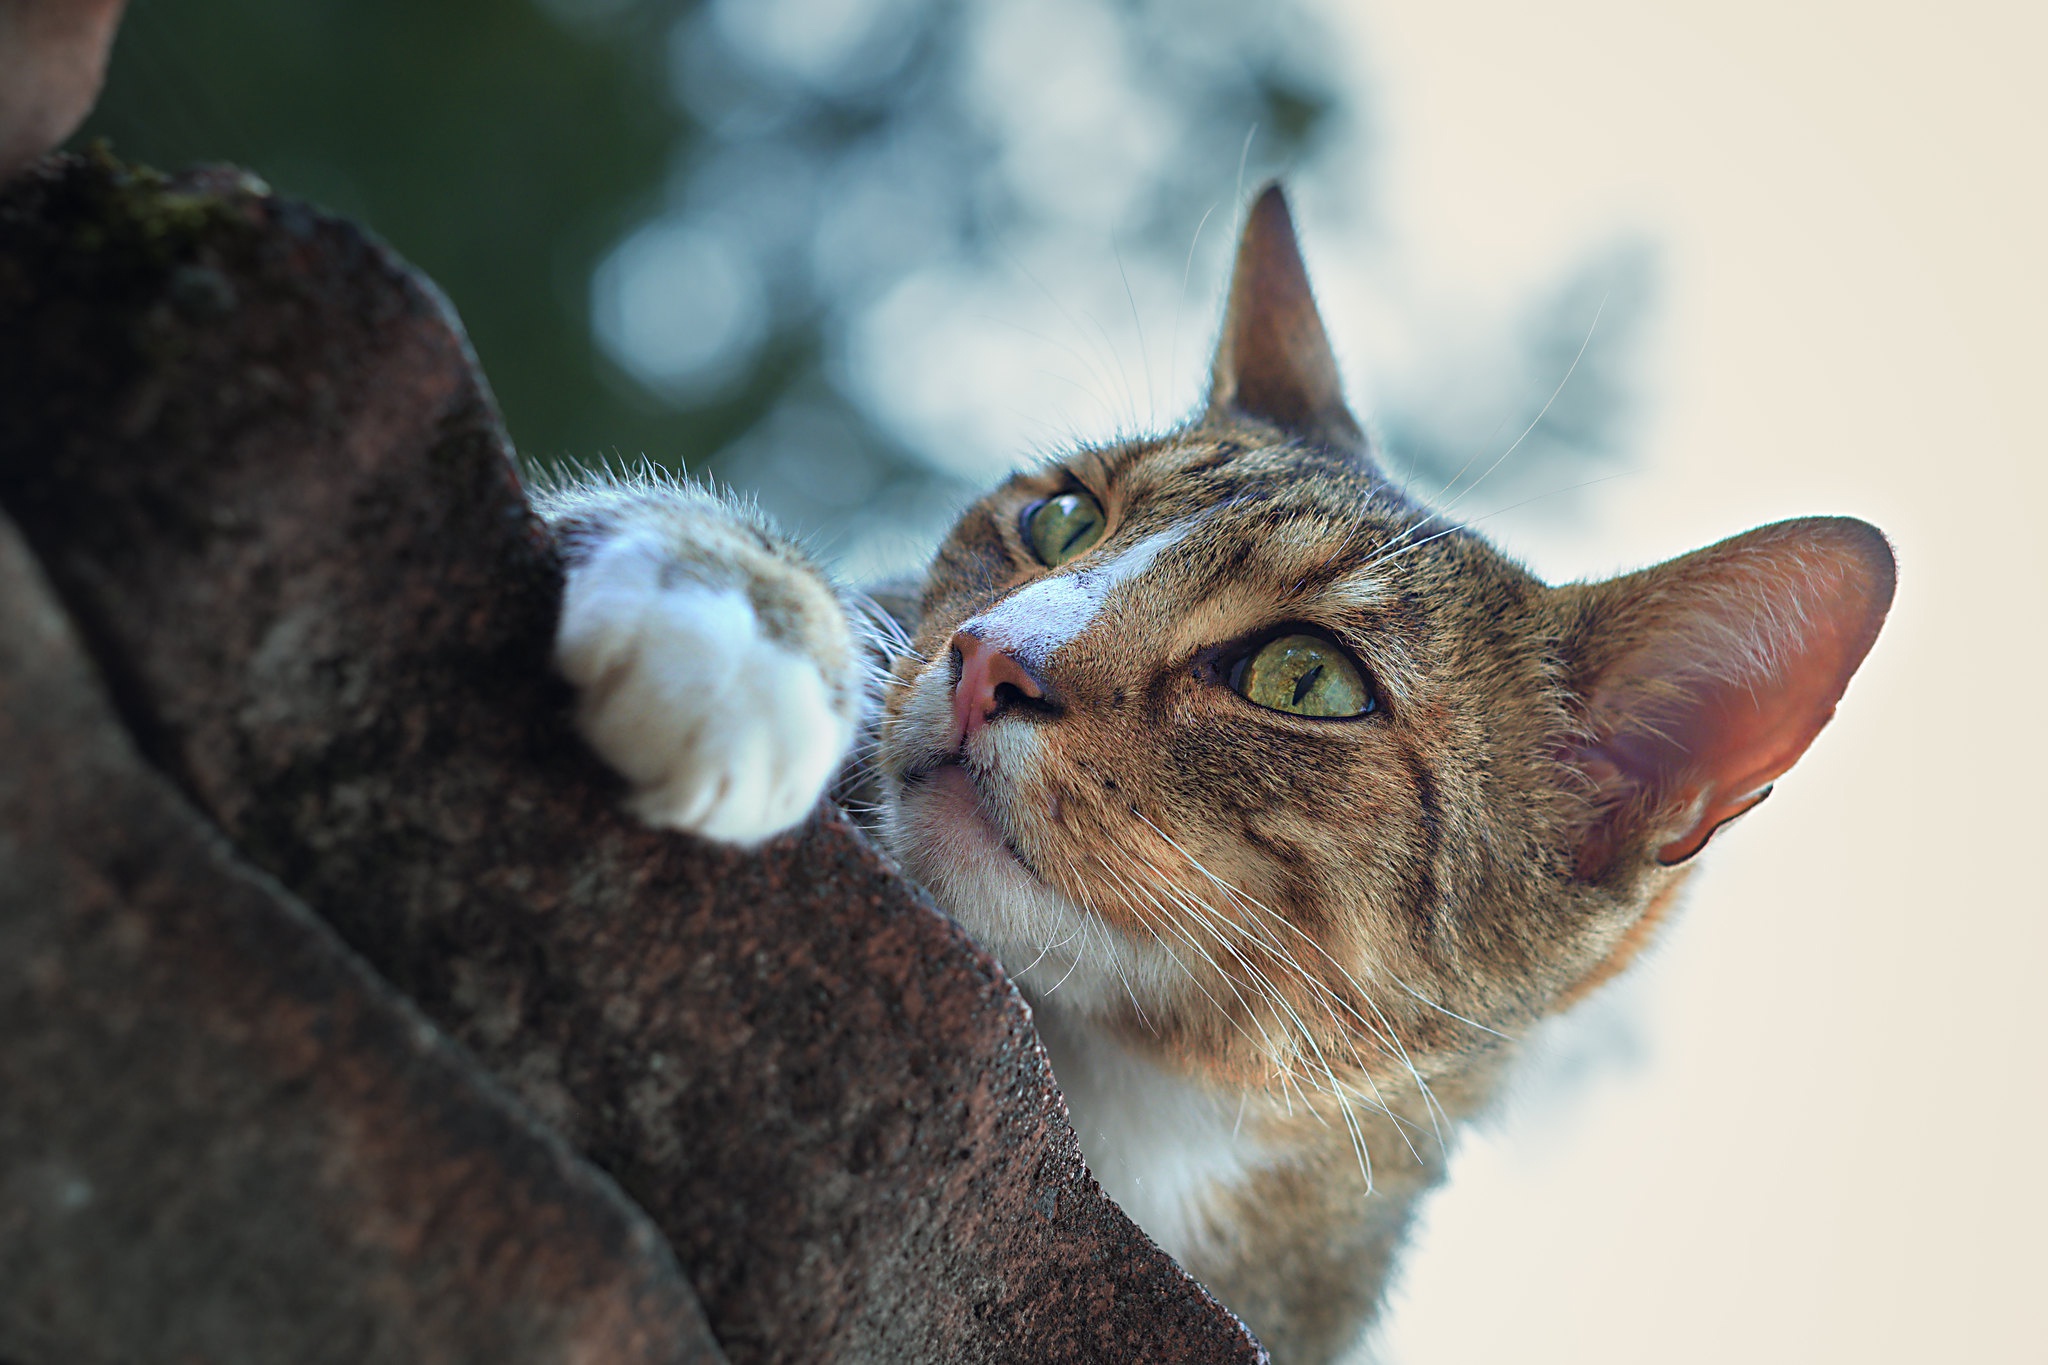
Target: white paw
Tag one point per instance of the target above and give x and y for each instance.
(721, 730)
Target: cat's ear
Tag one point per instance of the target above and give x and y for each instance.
(1705, 678)
(1274, 361)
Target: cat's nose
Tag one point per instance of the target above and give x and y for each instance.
(987, 682)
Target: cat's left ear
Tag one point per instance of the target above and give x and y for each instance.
(1705, 678)
(1274, 361)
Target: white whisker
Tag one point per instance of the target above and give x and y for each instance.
(1545, 409)
(1385, 1033)
(1335, 1088)
(1180, 301)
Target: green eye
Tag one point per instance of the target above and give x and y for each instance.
(1305, 676)
(1062, 527)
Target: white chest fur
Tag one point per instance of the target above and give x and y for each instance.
(1163, 1146)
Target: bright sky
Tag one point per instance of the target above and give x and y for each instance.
(1829, 1147)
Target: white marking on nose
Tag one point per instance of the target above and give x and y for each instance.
(1038, 622)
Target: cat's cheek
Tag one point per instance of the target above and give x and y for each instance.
(720, 731)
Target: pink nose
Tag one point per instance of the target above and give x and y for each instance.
(984, 671)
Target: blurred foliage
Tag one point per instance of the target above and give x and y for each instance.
(733, 235)
(506, 147)
(497, 152)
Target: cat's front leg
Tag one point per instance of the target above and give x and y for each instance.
(715, 665)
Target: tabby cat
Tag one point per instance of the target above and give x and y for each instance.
(1289, 803)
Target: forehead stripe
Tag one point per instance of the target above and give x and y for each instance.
(1038, 622)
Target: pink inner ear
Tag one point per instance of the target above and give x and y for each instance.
(1732, 660)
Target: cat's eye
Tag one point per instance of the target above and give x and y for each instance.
(1303, 675)
(1062, 527)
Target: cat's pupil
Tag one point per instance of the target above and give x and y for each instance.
(1305, 682)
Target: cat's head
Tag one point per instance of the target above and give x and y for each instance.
(1228, 742)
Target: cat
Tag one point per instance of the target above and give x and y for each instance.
(1288, 803)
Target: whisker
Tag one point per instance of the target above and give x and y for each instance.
(1390, 550)
(1069, 972)
(1048, 947)
(1266, 988)
(1244, 156)
(1335, 1087)
(1123, 375)
(1144, 360)
(1534, 422)
(1116, 961)
(1545, 409)
(1448, 1013)
(1180, 302)
(1195, 981)
(1391, 1035)
(1103, 372)
(1087, 364)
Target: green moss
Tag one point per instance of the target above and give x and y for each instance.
(133, 215)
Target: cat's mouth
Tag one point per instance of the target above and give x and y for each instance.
(950, 791)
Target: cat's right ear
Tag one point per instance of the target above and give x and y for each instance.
(1274, 362)
(1704, 679)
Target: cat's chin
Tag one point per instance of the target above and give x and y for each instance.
(1057, 951)
(943, 831)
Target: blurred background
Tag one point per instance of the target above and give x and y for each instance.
(1613, 281)
(858, 257)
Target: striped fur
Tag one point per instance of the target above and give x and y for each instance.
(1276, 959)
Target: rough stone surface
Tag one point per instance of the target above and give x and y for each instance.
(222, 1138)
(253, 453)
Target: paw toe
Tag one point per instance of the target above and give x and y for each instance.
(720, 730)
